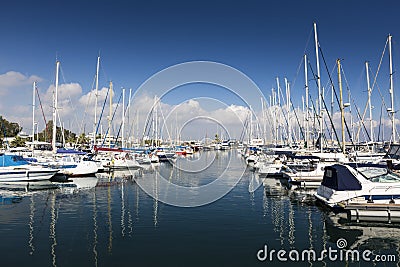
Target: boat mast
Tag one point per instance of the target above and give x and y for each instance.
(369, 103)
(55, 92)
(341, 105)
(307, 115)
(156, 120)
(391, 90)
(123, 118)
(289, 128)
(319, 87)
(279, 108)
(110, 116)
(33, 116)
(129, 118)
(96, 98)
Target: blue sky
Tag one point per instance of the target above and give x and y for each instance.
(136, 39)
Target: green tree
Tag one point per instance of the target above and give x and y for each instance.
(82, 139)
(17, 142)
(46, 134)
(9, 129)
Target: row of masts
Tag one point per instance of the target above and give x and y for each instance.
(283, 111)
(275, 103)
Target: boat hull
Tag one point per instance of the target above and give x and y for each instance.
(25, 174)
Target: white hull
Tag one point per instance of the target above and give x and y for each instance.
(380, 189)
(25, 174)
(82, 168)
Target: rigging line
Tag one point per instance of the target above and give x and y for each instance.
(164, 123)
(41, 108)
(244, 129)
(125, 115)
(337, 99)
(312, 101)
(269, 118)
(70, 101)
(104, 73)
(85, 112)
(298, 71)
(112, 118)
(359, 116)
(375, 83)
(149, 119)
(323, 100)
(362, 120)
(284, 115)
(115, 111)
(101, 114)
(297, 118)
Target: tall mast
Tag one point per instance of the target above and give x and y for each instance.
(319, 86)
(307, 115)
(55, 92)
(110, 116)
(96, 98)
(369, 102)
(33, 116)
(156, 119)
(391, 90)
(273, 105)
(123, 118)
(341, 105)
(279, 107)
(289, 135)
(129, 118)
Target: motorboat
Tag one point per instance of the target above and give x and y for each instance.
(356, 183)
(166, 154)
(72, 165)
(14, 168)
(308, 171)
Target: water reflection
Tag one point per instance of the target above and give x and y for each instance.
(99, 220)
(31, 226)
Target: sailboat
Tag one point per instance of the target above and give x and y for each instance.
(69, 162)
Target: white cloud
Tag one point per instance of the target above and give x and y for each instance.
(14, 79)
(76, 110)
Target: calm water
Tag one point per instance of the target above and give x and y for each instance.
(111, 221)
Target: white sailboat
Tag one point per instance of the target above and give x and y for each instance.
(70, 163)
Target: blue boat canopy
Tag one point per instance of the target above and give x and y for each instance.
(12, 160)
(339, 178)
(69, 151)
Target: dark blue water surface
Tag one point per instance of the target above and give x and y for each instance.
(109, 220)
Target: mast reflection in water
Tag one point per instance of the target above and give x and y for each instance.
(108, 220)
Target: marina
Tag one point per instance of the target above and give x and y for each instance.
(207, 133)
(98, 220)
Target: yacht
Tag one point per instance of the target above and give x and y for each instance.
(356, 183)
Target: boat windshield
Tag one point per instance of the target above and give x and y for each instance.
(379, 175)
